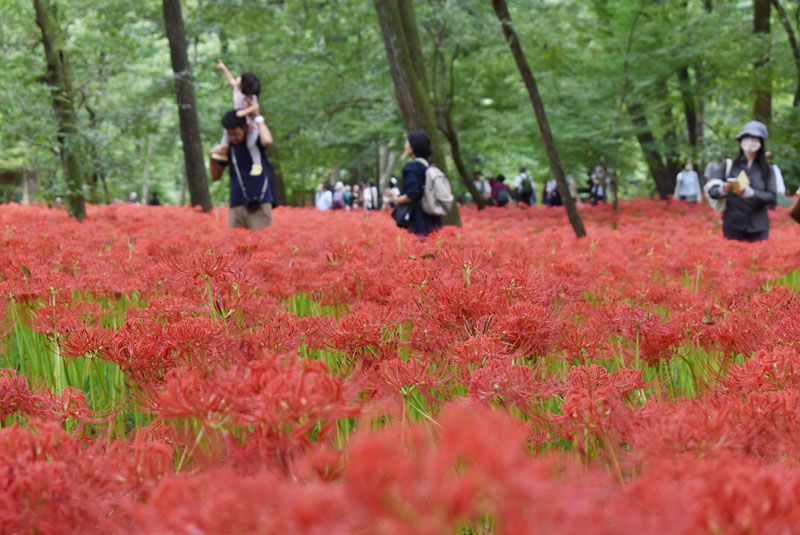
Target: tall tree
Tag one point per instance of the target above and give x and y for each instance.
(443, 74)
(62, 99)
(665, 182)
(501, 9)
(404, 53)
(196, 177)
(787, 25)
(689, 107)
(762, 103)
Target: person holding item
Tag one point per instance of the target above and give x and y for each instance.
(246, 89)
(747, 186)
(418, 149)
(391, 191)
(687, 184)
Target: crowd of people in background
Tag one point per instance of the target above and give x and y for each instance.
(350, 197)
(495, 191)
(742, 189)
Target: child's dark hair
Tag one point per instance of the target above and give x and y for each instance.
(251, 85)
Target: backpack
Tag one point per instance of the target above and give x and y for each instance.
(503, 197)
(338, 200)
(718, 205)
(527, 186)
(437, 199)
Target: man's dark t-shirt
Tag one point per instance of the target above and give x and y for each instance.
(253, 184)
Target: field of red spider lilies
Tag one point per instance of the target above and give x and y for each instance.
(160, 373)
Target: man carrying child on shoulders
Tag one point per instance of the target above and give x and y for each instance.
(250, 195)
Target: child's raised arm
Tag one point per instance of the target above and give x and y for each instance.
(228, 76)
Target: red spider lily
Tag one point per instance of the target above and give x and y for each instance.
(217, 267)
(585, 342)
(400, 376)
(776, 370)
(761, 425)
(53, 483)
(187, 395)
(625, 381)
(486, 311)
(598, 414)
(516, 384)
(741, 333)
(147, 350)
(478, 350)
(363, 328)
(529, 327)
(84, 340)
(17, 398)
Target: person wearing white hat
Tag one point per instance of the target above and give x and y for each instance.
(747, 186)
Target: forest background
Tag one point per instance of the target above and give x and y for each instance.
(636, 85)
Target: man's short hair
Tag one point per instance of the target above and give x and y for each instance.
(231, 120)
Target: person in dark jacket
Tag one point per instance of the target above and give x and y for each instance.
(418, 147)
(745, 216)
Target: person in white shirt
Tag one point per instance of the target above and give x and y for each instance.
(780, 185)
(484, 190)
(713, 168)
(524, 187)
(324, 198)
(390, 192)
(687, 184)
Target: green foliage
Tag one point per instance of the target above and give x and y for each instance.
(329, 99)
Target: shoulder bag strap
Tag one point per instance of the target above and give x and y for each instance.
(423, 161)
(239, 177)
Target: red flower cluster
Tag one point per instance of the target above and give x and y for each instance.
(335, 375)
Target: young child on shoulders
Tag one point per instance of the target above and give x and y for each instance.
(246, 89)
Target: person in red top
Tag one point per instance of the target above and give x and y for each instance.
(501, 193)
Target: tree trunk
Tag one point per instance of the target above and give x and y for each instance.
(651, 155)
(501, 9)
(386, 161)
(669, 144)
(443, 101)
(455, 150)
(278, 186)
(182, 195)
(701, 110)
(762, 104)
(58, 77)
(403, 52)
(689, 107)
(147, 163)
(28, 177)
(793, 43)
(149, 156)
(196, 177)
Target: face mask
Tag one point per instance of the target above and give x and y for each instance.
(750, 145)
(689, 167)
